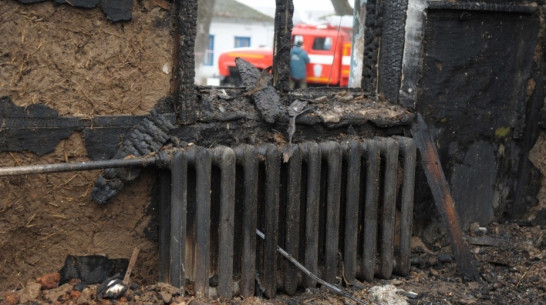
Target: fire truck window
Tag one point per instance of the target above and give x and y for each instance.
(322, 44)
(297, 38)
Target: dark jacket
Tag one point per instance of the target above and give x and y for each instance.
(298, 62)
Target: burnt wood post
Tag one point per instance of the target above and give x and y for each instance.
(282, 41)
(184, 63)
(442, 198)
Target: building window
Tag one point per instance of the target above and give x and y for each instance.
(241, 42)
(209, 53)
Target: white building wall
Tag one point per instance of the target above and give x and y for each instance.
(261, 34)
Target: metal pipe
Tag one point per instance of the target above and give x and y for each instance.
(224, 158)
(202, 161)
(389, 149)
(408, 150)
(353, 157)
(311, 153)
(271, 211)
(247, 156)
(79, 166)
(293, 219)
(179, 203)
(332, 155)
(373, 161)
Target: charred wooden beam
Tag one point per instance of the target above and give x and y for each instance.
(442, 198)
(282, 41)
(264, 95)
(186, 96)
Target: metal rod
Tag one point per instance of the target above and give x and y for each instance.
(78, 166)
(312, 275)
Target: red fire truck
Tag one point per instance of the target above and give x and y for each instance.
(329, 49)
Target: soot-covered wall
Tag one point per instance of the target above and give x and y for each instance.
(476, 90)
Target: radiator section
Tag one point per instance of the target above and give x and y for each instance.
(334, 206)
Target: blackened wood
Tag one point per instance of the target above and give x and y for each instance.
(372, 39)
(186, 27)
(271, 209)
(442, 198)
(312, 156)
(392, 47)
(179, 202)
(267, 101)
(247, 155)
(80, 3)
(408, 151)
(353, 157)
(293, 219)
(370, 209)
(388, 211)
(202, 219)
(117, 10)
(224, 157)
(481, 6)
(164, 225)
(331, 152)
(470, 125)
(284, 10)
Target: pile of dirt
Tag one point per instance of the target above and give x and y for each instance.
(510, 259)
(77, 62)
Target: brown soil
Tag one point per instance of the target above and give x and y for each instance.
(43, 218)
(79, 63)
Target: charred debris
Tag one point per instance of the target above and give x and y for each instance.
(434, 66)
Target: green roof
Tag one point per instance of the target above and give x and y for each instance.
(233, 9)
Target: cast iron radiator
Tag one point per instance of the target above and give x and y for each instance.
(335, 207)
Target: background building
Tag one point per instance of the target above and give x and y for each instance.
(234, 25)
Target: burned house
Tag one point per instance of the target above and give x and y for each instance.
(437, 134)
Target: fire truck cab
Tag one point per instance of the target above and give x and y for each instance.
(328, 47)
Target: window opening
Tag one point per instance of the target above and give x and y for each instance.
(209, 52)
(241, 42)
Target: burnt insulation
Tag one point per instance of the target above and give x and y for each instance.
(146, 138)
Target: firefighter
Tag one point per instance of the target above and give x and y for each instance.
(298, 66)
